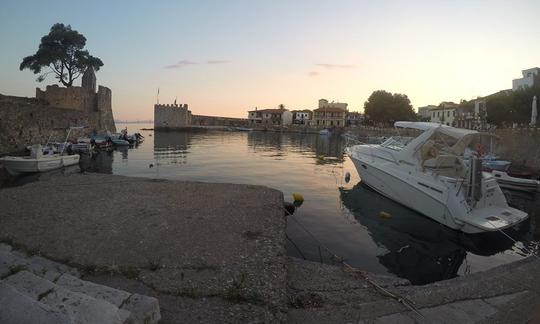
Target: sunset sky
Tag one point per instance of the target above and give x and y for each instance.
(226, 57)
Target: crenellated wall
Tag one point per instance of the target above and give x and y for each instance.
(171, 116)
(25, 121)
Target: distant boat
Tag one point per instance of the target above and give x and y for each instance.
(38, 162)
(325, 131)
(244, 129)
(120, 142)
(508, 182)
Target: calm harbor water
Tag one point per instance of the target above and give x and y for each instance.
(342, 216)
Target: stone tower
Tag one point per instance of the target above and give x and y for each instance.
(89, 80)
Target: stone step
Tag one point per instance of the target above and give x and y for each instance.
(77, 307)
(56, 289)
(11, 261)
(143, 309)
(19, 308)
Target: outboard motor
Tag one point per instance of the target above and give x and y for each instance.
(474, 180)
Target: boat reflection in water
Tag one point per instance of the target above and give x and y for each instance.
(419, 249)
(100, 162)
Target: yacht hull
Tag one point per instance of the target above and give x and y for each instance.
(19, 165)
(433, 201)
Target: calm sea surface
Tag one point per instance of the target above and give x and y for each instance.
(342, 216)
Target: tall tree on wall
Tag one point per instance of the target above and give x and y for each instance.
(61, 52)
(385, 107)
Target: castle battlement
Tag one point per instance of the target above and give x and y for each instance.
(171, 116)
(24, 121)
(181, 106)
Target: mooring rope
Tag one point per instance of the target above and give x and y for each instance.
(400, 299)
(515, 241)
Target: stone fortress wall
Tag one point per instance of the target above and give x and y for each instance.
(25, 121)
(171, 116)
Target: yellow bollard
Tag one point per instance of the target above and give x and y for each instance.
(297, 197)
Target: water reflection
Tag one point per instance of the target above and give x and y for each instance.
(419, 249)
(324, 149)
(99, 162)
(171, 147)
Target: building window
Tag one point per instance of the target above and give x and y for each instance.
(454, 113)
(448, 113)
(438, 114)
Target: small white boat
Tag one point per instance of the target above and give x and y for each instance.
(38, 162)
(325, 131)
(244, 129)
(427, 174)
(508, 182)
(83, 145)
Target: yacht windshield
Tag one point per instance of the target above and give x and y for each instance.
(396, 143)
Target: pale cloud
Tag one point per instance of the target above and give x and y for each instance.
(180, 64)
(184, 63)
(313, 73)
(336, 66)
(217, 61)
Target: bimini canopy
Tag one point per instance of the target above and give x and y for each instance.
(461, 138)
(456, 133)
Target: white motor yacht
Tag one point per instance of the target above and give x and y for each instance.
(427, 174)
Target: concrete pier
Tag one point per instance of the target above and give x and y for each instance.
(219, 245)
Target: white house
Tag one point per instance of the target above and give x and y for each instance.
(270, 117)
(527, 80)
(301, 117)
(444, 114)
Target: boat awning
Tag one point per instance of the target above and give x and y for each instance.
(457, 133)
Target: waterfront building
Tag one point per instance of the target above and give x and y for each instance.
(270, 117)
(330, 114)
(354, 118)
(444, 113)
(171, 116)
(425, 112)
(301, 117)
(329, 117)
(323, 103)
(527, 80)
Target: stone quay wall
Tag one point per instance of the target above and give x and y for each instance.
(25, 121)
(521, 146)
(200, 120)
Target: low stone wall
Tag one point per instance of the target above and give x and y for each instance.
(201, 120)
(521, 146)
